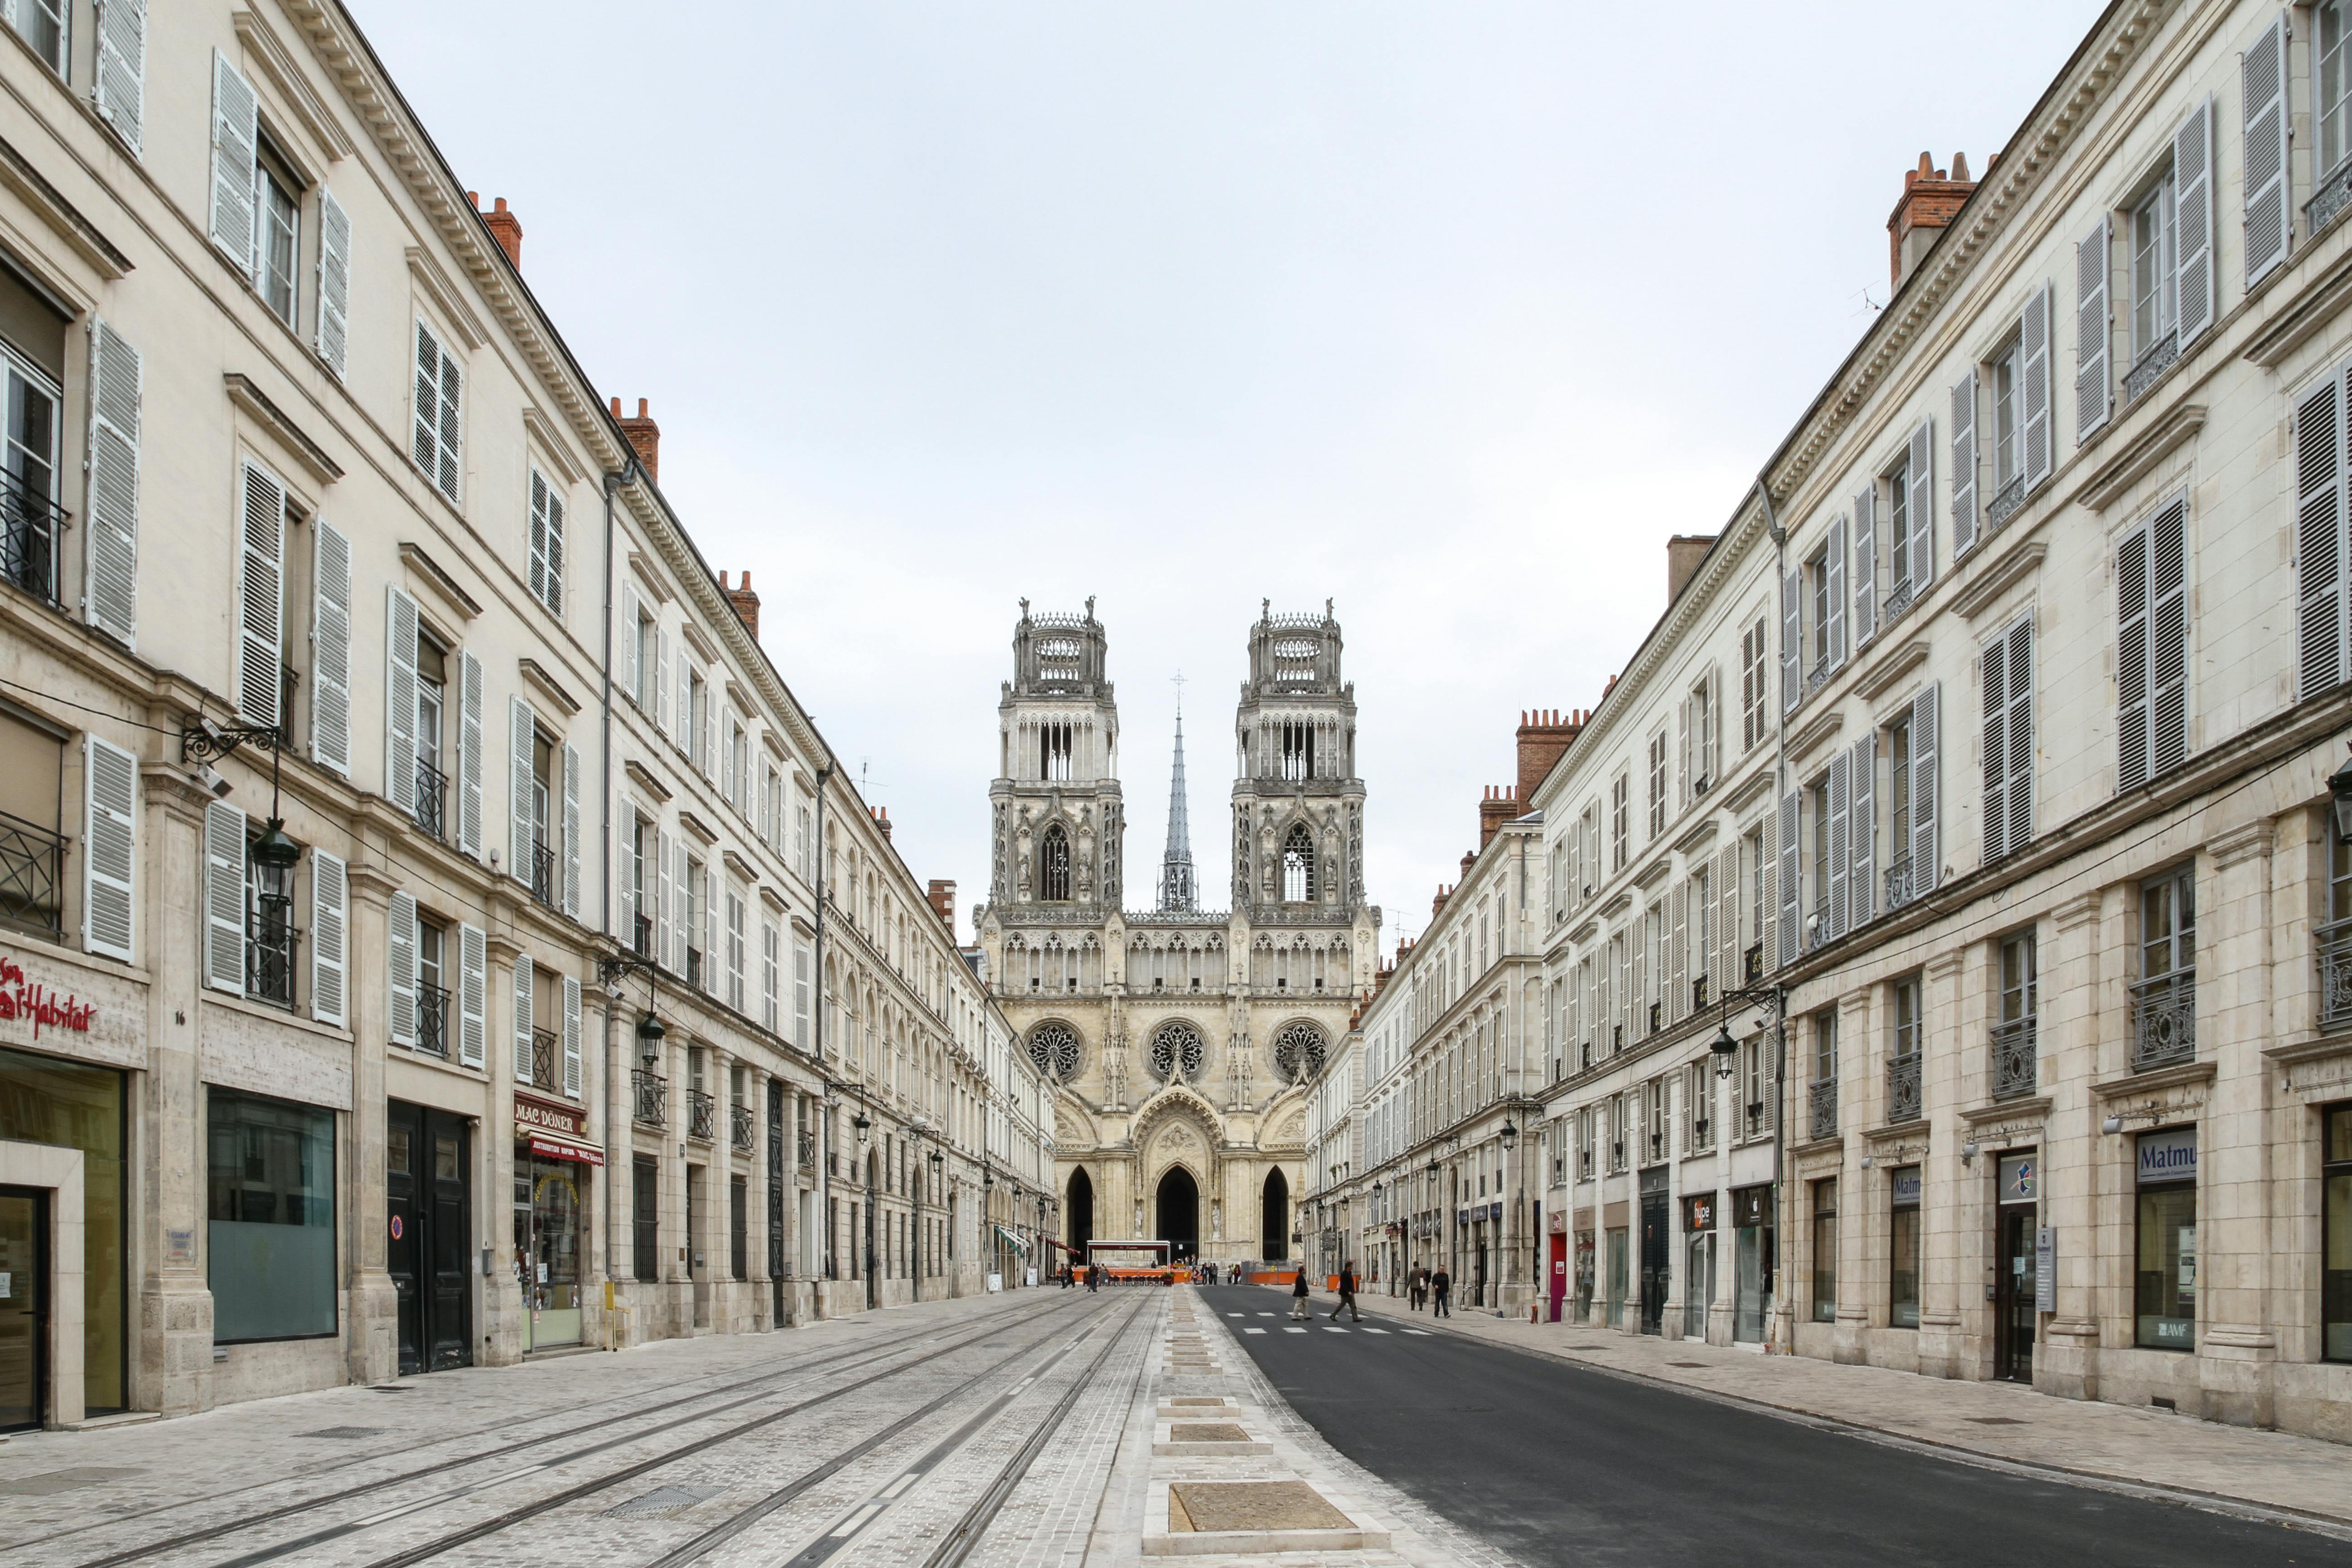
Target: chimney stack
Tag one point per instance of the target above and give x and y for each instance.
(1544, 734)
(504, 226)
(1500, 805)
(747, 605)
(644, 434)
(1683, 552)
(882, 819)
(1437, 904)
(942, 899)
(1931, 199)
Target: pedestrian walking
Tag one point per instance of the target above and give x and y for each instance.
(1347, 1294)
(1298, 1312)
(1440, 1293)
(1416, 1286)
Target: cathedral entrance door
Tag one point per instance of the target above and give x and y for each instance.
(1179, 1214)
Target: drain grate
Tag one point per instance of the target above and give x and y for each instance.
(663, 1502)
(346, 1432)
(1994, 1420)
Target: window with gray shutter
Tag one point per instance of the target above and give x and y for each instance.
(546, 542)
(522, 843)
(2008, 666)
(570, 831)
(330, 921)
(469, 754)
(2320, 461)
(111, 594)
(2151, 647)
(330, 650)
(2262, 96)
(438, 411)
(1925, 789)
(473, 995)
(110, 848)
(1862, 834)
(1920, 474)
(402, 979)
(2192, 174)
(334, 283)
(1835, 560)
(261, 596)
(1964, 464)
(1790, 805)
(119, 91)
(571, 1063)
(1793, 642)
(2094, 328)
(1839, 851)
(400, 699)
(235, 139)
(2033, 344)
(1865, 573)
(225, 897)
(522, 1017)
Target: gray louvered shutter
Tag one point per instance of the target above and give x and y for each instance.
(625, 881)
(2131, 659)
(119, 90)
(329, 926)
(1832, 914)
(2320, 529)
(662, 901)
(334, 283)
(687, 732)
(1862, 835)
(1922, 504)
(2033, 353)
(330, 651)
(522, 726)
(2020, 736)
(225, 897)
(2261, 95)
(473, 997)
(1790, 804)
(2192, 174)
(544, 541)
(261, 597)
(1964, 464)
(661, 680)
(571, 1036)
(1864, 577)
(1994, 668)
(1678, 954)
(1835, 560)
(2093, 384)
(402, 979)
(1792, 652)
(627, 632)
(110, 594)
(469, 754)
(570, 831)
(1925, 790)
(234, 139)
(109, 842)
(400, 700)
(2167, 638)
(522, 1017)
(1639, 992)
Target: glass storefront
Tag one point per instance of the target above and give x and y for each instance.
(1825, 1250)
(1753, 1260)
(44, 1099)
(2166, 1287)
(549, 1220)
(2336, 1261)
(1617, 1240)
(1903, 1245)
(270, 1240)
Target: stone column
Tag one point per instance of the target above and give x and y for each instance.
(373, 1344)
(2075, 999)
(762, 1315)
(1952, 1218)
(1862, 1105)
(2239, 1341)
(176, 1303)
(506, 1306)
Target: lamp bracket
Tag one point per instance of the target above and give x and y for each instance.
(206, 742)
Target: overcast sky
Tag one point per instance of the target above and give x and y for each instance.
(1451, 313)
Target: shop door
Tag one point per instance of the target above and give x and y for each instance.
(1559, 1277)
(1747, 1303)
(24, 1306)
(1478, 1279)
(428, 1243)
(1698, 1285)
(2013, 1293)
(547, 1248)
(1657, 1270)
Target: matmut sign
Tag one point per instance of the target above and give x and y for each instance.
(20, 998)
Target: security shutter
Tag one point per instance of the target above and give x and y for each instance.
(111, 596)
(1922, 504)
(334, 282)
(1964, 464)
(235, 138)
(2320, 528)
(473, 995)
(2262, 94)
(1865, 566)
(2093, 385)
(330, 923)
(571, 832)
(225, 897)
(330, 651)
(1792, 672)
(1925, 791)
(119, 92)
(2034, 370)
(261, 596)
(469, 754)
(1862, 835)
(522, 1017)
(1835, 560)
(1831, 915)
(400, 699)
(2192, 174)
(2151, 648)
(403, 976)
(109, 844)
(522, 729)
(626, 634)
(571, 1036)
(1790, 806)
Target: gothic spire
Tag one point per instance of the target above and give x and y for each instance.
(1177, 892)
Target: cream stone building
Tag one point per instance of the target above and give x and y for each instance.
(1989, 748)
(1179, 1039)
(435, 934)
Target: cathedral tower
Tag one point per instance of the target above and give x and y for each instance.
(1056, 802)
(1299, 806)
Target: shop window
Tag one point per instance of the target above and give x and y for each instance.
(44, 1099)
(270, 1205)
(2165, 1290)
(644, 1218)
(1617, 1250)
(1903, 1249)
(1825, 1251)
(2336, 1262)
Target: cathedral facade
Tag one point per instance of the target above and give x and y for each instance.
(1180, 1039)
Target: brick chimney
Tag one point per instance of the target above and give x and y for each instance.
(747, 605)
(1683, 552)
(1544, 734)
(1930, 200)
(1500, 805)
(942, 899)
(1437, 904)
(644, 434)
(504, 226)
(882, 819)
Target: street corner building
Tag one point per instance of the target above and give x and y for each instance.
(434, 934)
(1944, 922)
(1180, 1042)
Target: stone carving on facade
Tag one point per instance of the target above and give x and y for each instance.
(1237, 1071)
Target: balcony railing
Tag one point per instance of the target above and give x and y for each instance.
(2154, 363)
(1817, 676)
(741, 1125)
(701, 1116)
(642, 937)
(2330, 195)
(1898, 600)
(271, 944)
(1899, 884)
(2164, 1020)
(2336, 974)
(1903, 1088)
(1822, 1106)
(2005, 504)
(542, 874)
(1657, 1016)
(30, 525)
(32, 866)
(2015, 1058)
(432, 1019)
(1752, 963)
(1699, 989)
(650, 1096)
(432, 800)
(545, 1067)
(807, 1149)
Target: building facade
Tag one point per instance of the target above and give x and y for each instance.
(1179, 1039)
(435, 933)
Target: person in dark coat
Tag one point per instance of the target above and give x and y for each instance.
(1347, 1294)
(1440, 1293)
(1298, 1312)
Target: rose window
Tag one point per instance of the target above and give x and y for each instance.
(1176, 1053)
(1054, 1048)
(1298, 1052)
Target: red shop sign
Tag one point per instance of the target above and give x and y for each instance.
(43, 1006)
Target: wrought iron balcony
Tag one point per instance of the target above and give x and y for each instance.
(2005, 504)
(271, 944)
(641, 936)
(1699, 989)
(542, 873)
(2164, 1020)
(2152, 363)
(2330, 197)
(432, 800)
(32, 867)
(650, 1096)
(546, 1070)
(1899, 884)
(2015, 1058)
(1821, 1108)
(432, 1019)
(1903, 1088)
(1817, 676)
(1751, 963)
(31, 526)
(1657, 1016)
(1898, 600)
(701, 1116)
(807, 1149)
(741, 1125)
(2336, 974)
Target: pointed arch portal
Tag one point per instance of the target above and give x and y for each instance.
(1273, 1219)
(1080, 1208)
(1179, 1213)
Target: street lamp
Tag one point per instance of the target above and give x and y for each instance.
(1724, 1048)
(1510, 1136)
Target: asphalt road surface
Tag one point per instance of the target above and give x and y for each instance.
(1557, 1464)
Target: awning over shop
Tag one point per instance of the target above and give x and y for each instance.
(1014, 1241)
(562, 1149)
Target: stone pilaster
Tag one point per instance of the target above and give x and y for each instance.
(505, 1307)
(372, 1344)
(1952, 1193)
(2074, 998)
(176, 1303)
(2239, 1331)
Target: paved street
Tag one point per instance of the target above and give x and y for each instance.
(1562, 1464)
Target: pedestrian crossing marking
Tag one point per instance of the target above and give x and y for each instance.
(1376, 1331)
(1261, 1314)
(1236, 1314)
(1333, 1329)
(1291, 1331)
(1252, 1330)
(1423, 1333)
